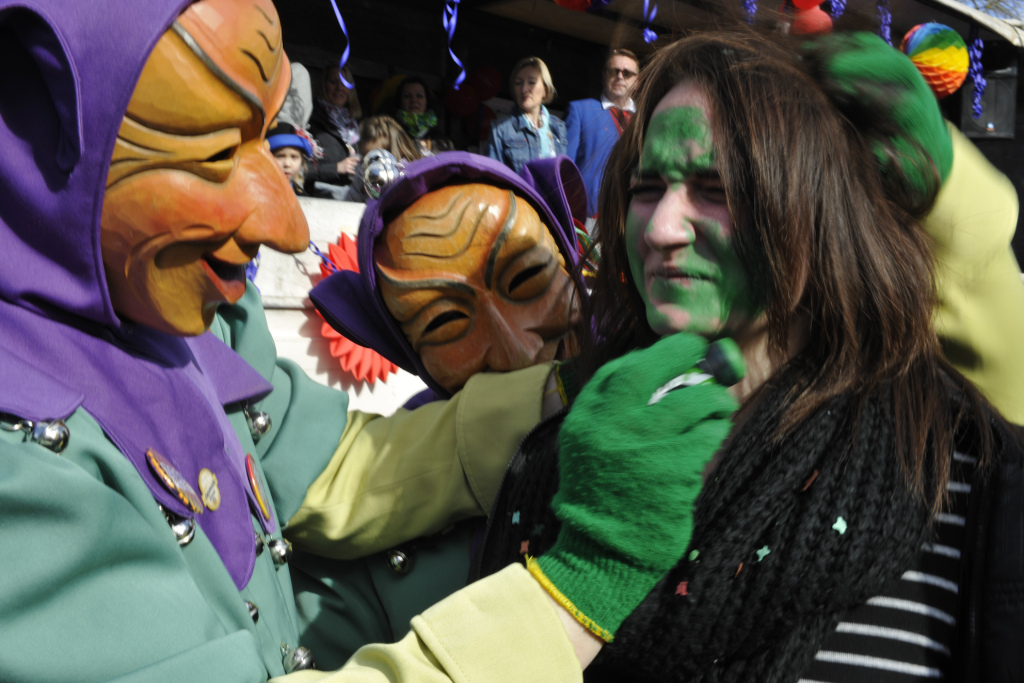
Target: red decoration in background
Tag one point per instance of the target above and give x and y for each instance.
(576, 5)
(462, 102)
(806, 4)
(486, 81)
(814, 21)
(487, 117)
(365, 365)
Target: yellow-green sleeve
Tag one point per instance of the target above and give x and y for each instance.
(980, 313)
(415, 472)
(502, 629)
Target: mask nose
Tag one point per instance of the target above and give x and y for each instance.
(511, 347)
(276, 219)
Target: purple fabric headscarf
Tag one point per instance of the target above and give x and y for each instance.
(352, 303)
(69, 72)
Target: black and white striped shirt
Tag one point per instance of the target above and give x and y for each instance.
(906, 634)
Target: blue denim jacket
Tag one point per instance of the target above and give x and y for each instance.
(513, 143)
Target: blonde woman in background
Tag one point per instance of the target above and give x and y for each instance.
(530, 132)
(335, 126)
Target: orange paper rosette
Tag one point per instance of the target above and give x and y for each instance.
(363, 364)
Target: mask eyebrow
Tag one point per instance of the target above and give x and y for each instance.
(426, 283)
(422, 242)
(506, 228)
(248, 96)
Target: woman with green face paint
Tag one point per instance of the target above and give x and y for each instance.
(762, 197)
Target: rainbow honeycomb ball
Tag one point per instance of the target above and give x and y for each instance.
(940, 54)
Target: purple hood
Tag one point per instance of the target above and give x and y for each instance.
(69, 70)
(352, 303)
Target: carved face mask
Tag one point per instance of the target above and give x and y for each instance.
(193, 190)
(476, 282)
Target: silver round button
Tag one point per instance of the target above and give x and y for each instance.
(184, 528)
(280, 550)
(299, 659)
(259, 423)
(52, 435)
(399, 562)
(254, 611)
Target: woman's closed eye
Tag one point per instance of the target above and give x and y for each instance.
(709, 188)
(646, 190)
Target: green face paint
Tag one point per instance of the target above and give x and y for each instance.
(679, 232)
(678, 144)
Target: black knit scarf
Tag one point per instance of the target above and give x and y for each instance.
(771, 568)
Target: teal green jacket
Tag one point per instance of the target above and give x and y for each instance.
(96, 586)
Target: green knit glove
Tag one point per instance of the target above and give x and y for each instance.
(882, 92)
(629, 475)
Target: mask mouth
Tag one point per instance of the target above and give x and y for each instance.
(228, 278)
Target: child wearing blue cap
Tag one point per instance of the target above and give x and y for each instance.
(291, 148)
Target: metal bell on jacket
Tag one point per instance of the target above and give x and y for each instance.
(259, 422)
(299, 659)
(184, 528)
(51, 435)
(280, 551)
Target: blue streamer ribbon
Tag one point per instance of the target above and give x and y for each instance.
(885, 21)
(327, 262)
(649, 35)
(251, 267)
(974, 49)
(750, 9)
(348, 45)
(451, 17)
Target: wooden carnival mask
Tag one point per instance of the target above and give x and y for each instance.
(476, 281)
(193, 190)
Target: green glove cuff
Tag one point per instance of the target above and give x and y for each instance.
(597, 588)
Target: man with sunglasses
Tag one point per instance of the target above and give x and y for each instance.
(593, 125)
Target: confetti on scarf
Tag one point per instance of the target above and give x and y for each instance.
(348, 45)
(840, 525)
(451, 17)
(977, 77)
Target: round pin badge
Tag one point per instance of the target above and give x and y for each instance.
(208, 489)
(259, 488)
(174, 481)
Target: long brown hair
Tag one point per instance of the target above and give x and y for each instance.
(388, 134)
(827, 245)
